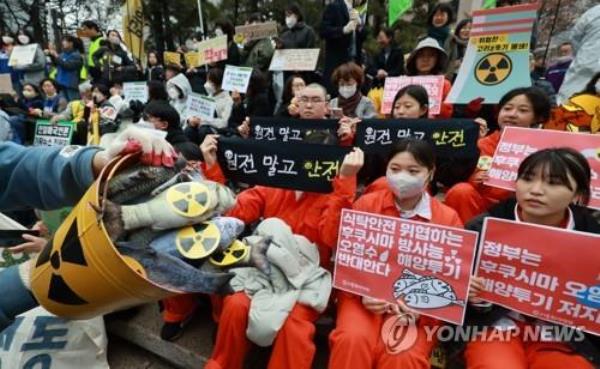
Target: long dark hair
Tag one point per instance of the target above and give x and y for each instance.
(417, 92)
(288, 89)
(538, 99)
(419, 149)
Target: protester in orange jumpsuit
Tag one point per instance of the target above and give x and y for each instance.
(356, 341)
(548, 183)
(522, 107)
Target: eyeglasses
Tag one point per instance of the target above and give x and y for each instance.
(314, 99)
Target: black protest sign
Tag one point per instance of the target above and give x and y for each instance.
(456, 138)
(287, 129)
(308, 167)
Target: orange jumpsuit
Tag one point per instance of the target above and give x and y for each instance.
(470, 199)
(447, 109)
(293, 347)
(356, 340)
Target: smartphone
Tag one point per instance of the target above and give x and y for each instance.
(13, 237)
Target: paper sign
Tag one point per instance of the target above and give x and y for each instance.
(433, 84)
(257, 31)
(497, 57)
(544, 272)
(172, 58)
(213, 50)
(135, 91)
(22, 55)
(6, 84)
(200, 106)
(48, 134)
(295, 60)
(426, 265)
(236, 78)
(518, 143)
(192, 59)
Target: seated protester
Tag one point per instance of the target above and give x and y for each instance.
(78, 111)
(164, 117)
(113, 61)
(302, 212)
(54, 103)
(348, 78)
(538, 80)
(178, 89)
(429, 59)
(23, 124)
(458, 47)
(68, 66)
(356, 340)
(105, 113)
(298, 34)
(552, 190)
(198, 128)
(255, 103)
(35, 72)
(224, 27)
(157, 91)
(154, 71)
(522, 107)
(389, 62)
(289, 102)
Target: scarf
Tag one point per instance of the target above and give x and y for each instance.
(349, 105)
(440, 34)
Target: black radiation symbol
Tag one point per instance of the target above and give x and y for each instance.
(493, 69)
(70, 252)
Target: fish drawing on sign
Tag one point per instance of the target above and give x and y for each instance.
(424, 292)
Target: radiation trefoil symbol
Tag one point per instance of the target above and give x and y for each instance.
(493, 69)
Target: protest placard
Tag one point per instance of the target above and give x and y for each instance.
(135, 91)
(497, 56)
(6, 86)
(200, 106)
(255, 31)
(172, 58)
(295, 60)
(544, 272)
(192, 59)
(425, 265)
(22, 55)
(308, 167)
(434, 85)
(236, 78)
(53, 134)
(518, 143)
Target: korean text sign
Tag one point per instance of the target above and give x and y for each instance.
(544, 272)
(48, 134)
(135, 91)
(425, 265)
(236, 78)
(209, 51)
(518, 143)
(295, 60)
(22, 55)
(434, 85)
(255, 31)
(200, 106)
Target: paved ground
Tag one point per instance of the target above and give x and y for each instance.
(125, 355)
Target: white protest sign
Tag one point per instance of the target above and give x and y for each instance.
(295, 60)
(22, 55)
(434, 85)
(135, 91)
(200, 106)
(236, 78)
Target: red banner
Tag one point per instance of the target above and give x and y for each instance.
(518, 143)
(545, 272)
(426, 265)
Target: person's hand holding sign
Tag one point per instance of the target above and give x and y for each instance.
(347, 128)
(475, 288)
(194, 121)
(377, 307)
(352, 164)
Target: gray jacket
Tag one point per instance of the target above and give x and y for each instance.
(364, 110)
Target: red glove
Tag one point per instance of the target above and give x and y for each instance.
(155, 150)
(474, 107)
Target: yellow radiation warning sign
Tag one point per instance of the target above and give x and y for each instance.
(189, 199)
(198, 241)
(235, 253)
(493, 69)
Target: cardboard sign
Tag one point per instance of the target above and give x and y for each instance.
(6, 86)
(253, 32)
(308, 167)
(433, 84)
(200, 106)
(48, 134)
(236, 78)
(425, 265)
(22, 55)
(135, 91)
(518, 143)
(295, 60)
(545, 272)
(172, 58)
(497, 57)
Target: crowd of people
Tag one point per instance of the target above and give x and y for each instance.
(77, 84)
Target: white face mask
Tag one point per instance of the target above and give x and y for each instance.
(7, 40)
(291, 21)
(219, 32)
(23, 39)
(405, 186)
(173, 93)
(347, 91)
(28, 94)
(210, 88)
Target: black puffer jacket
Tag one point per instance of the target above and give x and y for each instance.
(301, 36)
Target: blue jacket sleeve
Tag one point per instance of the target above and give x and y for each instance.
(44, 177)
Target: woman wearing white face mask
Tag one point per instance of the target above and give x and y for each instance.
(35, 72)
(298, 35)
(356, 341)
(349, 78)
